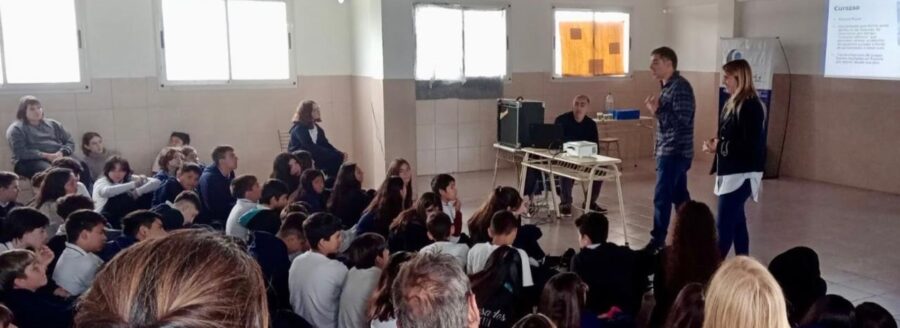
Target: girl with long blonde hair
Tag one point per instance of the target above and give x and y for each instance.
(740, 150)
(743, 294)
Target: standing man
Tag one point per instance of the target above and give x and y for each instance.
(576, 126)
(674, 109)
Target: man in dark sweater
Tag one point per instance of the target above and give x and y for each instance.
(9, 192)
(617, 276)
(215, 187)
(576, 126)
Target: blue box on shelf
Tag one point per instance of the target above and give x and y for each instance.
(626, 114)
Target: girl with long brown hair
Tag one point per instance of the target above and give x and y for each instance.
(387, 205)
(693, 257)
(740, 150)
(381, 308)
(401, 168)
(408, 231)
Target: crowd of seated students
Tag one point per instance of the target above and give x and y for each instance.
(203, 246)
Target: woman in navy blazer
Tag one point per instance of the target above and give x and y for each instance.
(306, 134)
(740, 155)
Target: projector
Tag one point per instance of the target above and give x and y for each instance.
(580, 148)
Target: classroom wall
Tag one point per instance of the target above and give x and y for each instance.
(135, 116)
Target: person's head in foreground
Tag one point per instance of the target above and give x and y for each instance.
(535, 320)
(432, 291)
(871, 315)
(743, 294)
(212, 282)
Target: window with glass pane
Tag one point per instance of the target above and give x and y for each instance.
(232, 40)
(454, 43)
(40, 42)
(591, 43)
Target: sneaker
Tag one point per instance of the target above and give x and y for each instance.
(565, 209)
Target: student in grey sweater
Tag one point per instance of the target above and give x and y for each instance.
(36, 141)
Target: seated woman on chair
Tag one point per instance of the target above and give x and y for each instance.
(35, 140)
(306, 134)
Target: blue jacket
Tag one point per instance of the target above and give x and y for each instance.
(215, 193)
(167, 192)
(115, 246)
(326, 156)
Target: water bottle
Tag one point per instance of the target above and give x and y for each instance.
(610, 102)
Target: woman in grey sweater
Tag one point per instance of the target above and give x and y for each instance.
(36, 141)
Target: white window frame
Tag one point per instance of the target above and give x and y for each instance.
(165, 83)
(506, 7)
(84, 83)
(615, 9)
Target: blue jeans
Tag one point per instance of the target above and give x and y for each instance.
(671, 189)
(732, 224)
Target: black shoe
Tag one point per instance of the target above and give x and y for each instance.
(565, 209)
(597, 208)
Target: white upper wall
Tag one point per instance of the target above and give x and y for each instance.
(799, 23)
(530, 32)
(121, 38)
(367, 44)
(692, 31)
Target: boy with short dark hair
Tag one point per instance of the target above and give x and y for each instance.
(214, 186)
(291, 233)
(615, 275)
(315, 280)
(439, 227)
(185, 180)
(78, 264)
(9, 193)
(503, 230)
(137, 226)
(247, 191)
(445, 186)
(267, 216)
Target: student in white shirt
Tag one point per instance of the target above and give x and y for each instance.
(116, 193)
(439, 226)
(315, 280)
(78, 264)
(369, 255)
(503, 230)
(247, 191)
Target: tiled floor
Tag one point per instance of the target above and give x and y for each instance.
(855, 232)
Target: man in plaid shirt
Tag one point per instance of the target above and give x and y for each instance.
(674, 110)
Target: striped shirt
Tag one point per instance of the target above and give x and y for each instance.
(675, 131)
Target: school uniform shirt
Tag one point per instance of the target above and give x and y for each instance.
(76, 269)
(459, 251)
(233, 225)
(479, 254)
(315, 283)
(355, 296)
(449, 208)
